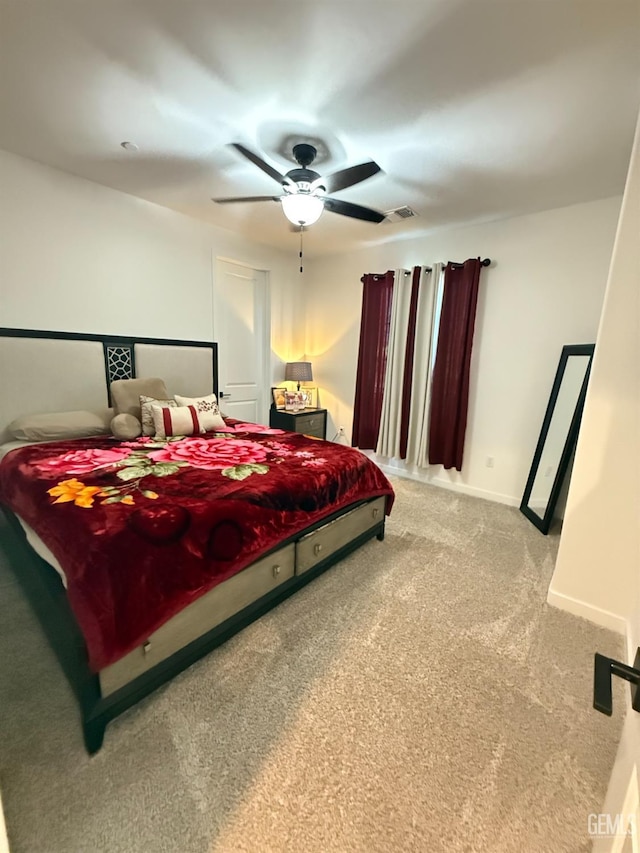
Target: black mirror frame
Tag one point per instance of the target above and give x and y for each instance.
(544, 523)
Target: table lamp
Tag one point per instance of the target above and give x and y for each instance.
(298, 371)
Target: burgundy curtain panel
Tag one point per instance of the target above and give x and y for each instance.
(450, 391)
(377, 292)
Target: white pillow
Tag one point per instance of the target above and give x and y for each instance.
(147, 415)
(209, 399)
(125, 393)
(51, 426)
(207, 408)
(126, 427)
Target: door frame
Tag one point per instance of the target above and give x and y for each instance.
(263, 319)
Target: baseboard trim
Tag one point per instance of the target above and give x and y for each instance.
(463, 488)
(475, 492)
(598, 615)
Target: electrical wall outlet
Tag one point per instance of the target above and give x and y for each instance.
(489, 462)
(340, 436)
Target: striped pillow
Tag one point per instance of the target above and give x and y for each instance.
(179, 420)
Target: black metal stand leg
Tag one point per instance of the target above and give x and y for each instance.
(93, 735)
(380, 534)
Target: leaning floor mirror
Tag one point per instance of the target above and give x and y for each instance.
(558, 435)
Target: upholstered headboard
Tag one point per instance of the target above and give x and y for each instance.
(42, 371)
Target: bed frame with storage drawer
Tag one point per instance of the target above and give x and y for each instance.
(202, 626)
(214, 617)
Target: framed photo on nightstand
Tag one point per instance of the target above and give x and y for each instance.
(311, 397)
(294, 401)
(277, 396)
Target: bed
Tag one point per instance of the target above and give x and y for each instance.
(141, 555)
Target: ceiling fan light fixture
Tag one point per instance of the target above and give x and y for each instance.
(302, 208)
(305, 191)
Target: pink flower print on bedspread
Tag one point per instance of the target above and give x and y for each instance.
(82, 461)
(259, 429)
(279, 447)
(212, 454)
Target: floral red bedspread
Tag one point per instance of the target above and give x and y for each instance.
(142, 528)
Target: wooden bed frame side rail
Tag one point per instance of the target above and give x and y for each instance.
(45, 591)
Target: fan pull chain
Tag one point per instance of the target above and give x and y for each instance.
(301, 230)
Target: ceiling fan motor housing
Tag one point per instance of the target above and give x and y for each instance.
(303, 176)
(304, 154)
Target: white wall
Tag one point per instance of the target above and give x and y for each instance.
(598, 567)
(544, 289)
(77, 256)
(597, 572)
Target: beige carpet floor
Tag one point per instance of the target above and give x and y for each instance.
(419, 696)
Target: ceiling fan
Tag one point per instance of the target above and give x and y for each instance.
(305, 191)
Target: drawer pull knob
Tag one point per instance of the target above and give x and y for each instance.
(276, 571)
(375, 512)
(317, 549)
(146, 647)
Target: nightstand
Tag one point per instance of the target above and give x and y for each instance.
(309, 421)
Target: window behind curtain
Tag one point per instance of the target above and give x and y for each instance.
(405, 401)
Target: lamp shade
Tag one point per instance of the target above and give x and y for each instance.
(298, 371)
(302, 208)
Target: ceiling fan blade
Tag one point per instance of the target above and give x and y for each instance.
(247, 198)
(348, 177)
(260, 163)
(356, 211)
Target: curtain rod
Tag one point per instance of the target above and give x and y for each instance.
(456, 265)
(483, 263)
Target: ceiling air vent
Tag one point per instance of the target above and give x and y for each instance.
(399, 213)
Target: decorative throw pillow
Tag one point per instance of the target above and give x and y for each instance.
(176, 420)
(207, 408)
(210, 420)
(125, 427)
(206, 401)
(146, 415)
(125, 394)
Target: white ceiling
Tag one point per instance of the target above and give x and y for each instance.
(474, 109)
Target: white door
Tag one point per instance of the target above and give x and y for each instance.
(241, 326)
